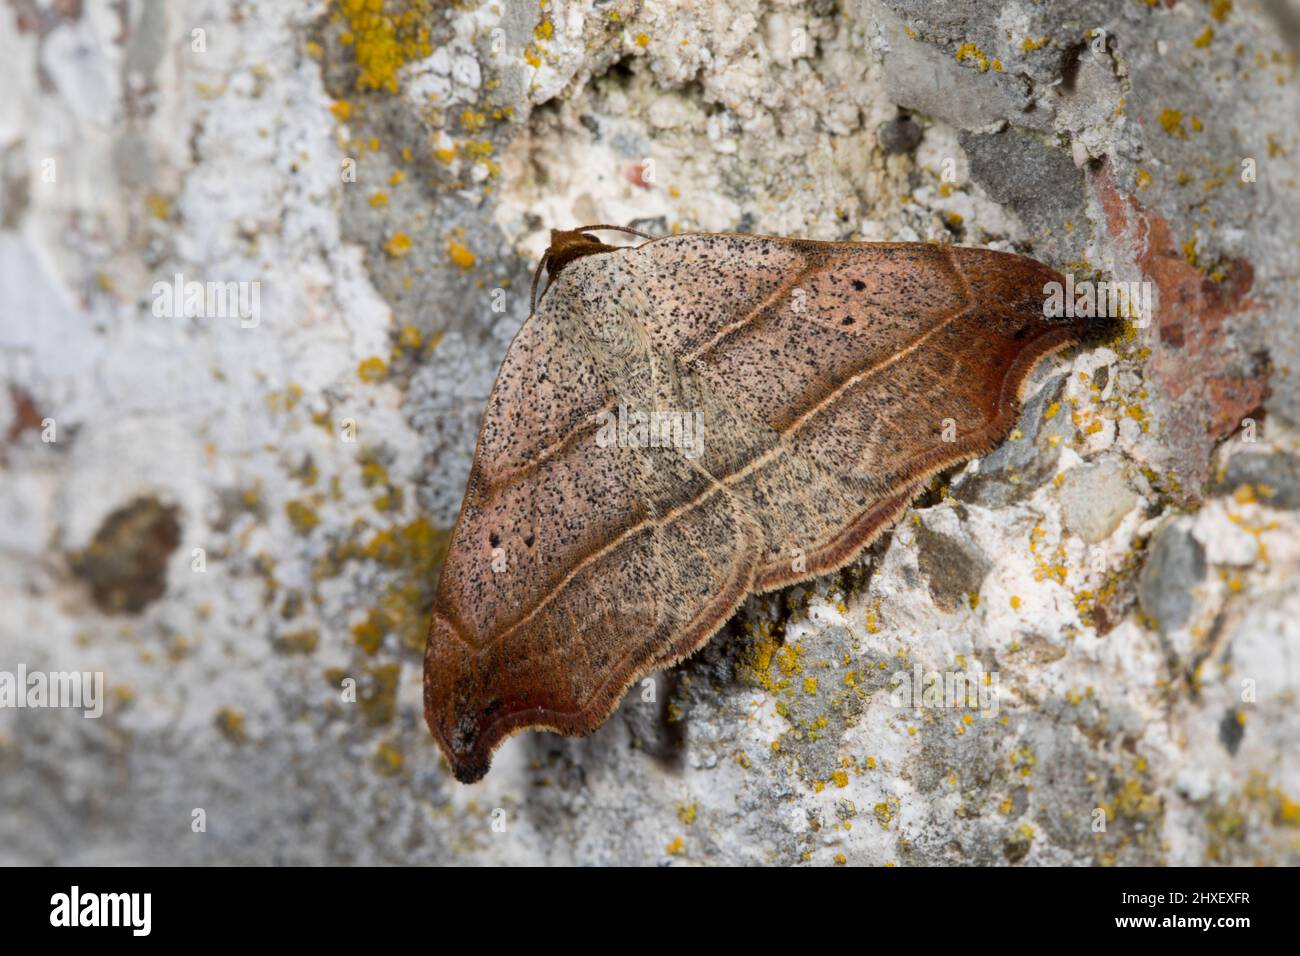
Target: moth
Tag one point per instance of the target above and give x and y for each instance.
(687, 421)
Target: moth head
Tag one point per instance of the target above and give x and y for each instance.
(568, 245)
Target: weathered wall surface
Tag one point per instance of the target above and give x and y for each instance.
(231, 515)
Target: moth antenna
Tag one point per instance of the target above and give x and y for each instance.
(537, 274)
(628, 230)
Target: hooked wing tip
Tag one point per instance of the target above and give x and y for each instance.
(457, 736)
(462, 713)
(468, 754)
(470, 771)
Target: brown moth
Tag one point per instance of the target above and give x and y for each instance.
(688, 421)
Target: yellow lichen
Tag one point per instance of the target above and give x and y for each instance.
(304, 641)
(369, 633)
(399, 245)
(409, 337)
(472, 122)
(159, 208)
(1288, 810)
(969, 51)
(388, 759)
(383, 37)
(1172, 122)
(231, 724)
(372, 370)
(413, 551)
(460, 255)
(302, 516)
(378, 698)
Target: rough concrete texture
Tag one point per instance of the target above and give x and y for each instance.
(241, 524)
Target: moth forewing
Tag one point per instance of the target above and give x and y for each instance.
(673, 421)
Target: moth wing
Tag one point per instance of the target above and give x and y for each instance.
(817, 386)
(873, 366)
(576, 563)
